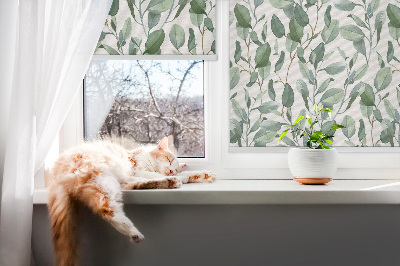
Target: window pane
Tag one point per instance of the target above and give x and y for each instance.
(140, 102)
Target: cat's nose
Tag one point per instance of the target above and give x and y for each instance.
(171, 172)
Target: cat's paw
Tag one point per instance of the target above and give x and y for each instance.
(209, 177)
(182, 167)
(201, 177)
(174, 182)
(137, 237)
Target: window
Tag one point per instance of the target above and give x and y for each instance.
(142, 101)
(219, 156)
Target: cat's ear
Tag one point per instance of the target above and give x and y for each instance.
(163, 145)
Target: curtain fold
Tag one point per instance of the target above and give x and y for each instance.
(55, 43)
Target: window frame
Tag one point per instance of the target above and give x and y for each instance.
(243, 163)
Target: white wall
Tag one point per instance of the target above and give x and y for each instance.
(237, 235)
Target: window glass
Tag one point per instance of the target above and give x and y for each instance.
(140, 102)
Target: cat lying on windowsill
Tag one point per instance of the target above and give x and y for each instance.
(94, 174)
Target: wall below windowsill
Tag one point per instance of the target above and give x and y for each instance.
(264, 192)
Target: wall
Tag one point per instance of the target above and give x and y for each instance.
(237, 235)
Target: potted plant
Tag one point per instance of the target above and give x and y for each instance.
(316, 163)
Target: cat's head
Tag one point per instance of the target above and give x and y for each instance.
(164, 161)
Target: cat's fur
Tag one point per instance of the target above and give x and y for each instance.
(94, 174)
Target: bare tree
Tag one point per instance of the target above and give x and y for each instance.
(144, 111)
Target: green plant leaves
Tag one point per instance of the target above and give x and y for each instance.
(351, 33)
(375, 5)
(383, 78)
(277, 27)
(281, 4)
(288, 96)
(154, 41)
(335, 68)
(177, 36)
(332, 96)
(262, 55)
(301, 16)
(360, 72)
(263, 137)
(149, 21)
(324, 85)
(268, 107)
(344, 5)
(271, 126)
(280, 61)
(361, 130)
(238, 52)
(243, 17)
(237, 109)
(196, 19)
(394, 32)
(110, 50)
(235, 77)
(304, 70)
(296, 31)
(159, 6)
(192, 40)
(198, 7)
(390, 52)
(127, 29)
(209, 24)
(114, 8)
(329, 34)
(182, 5)
(153, 19)
(327, 16)
(393, 13)
(317, 54)
(358, 21)
(389, 109)
(326, 70)
(349, 126)
(271, 90)
(368, 96)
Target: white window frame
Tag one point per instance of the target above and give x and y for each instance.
(245, 163)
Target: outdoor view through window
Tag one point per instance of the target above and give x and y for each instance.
(141, 101)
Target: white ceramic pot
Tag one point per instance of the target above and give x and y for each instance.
(309, 166)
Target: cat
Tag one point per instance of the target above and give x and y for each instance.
(94, 174)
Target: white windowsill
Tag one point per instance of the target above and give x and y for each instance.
(264, 192)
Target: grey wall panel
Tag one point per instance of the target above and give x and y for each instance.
(237, 235)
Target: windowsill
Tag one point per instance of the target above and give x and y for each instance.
(264, 192)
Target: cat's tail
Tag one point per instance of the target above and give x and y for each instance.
(62, 212)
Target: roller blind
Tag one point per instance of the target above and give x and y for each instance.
(159, 28)
(287, 56)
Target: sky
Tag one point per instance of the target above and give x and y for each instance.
(196, 88)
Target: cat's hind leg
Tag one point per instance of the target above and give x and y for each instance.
(103, 195)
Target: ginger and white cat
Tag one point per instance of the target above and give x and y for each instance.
(94, 175)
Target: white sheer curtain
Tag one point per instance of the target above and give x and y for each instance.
(55, 40)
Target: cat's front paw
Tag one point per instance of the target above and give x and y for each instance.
(182, 167)
(201, 177)
(137, 237)
(210, 177)
(174, 182)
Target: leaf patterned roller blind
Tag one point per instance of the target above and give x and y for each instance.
(288, 55)
(159, 27)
